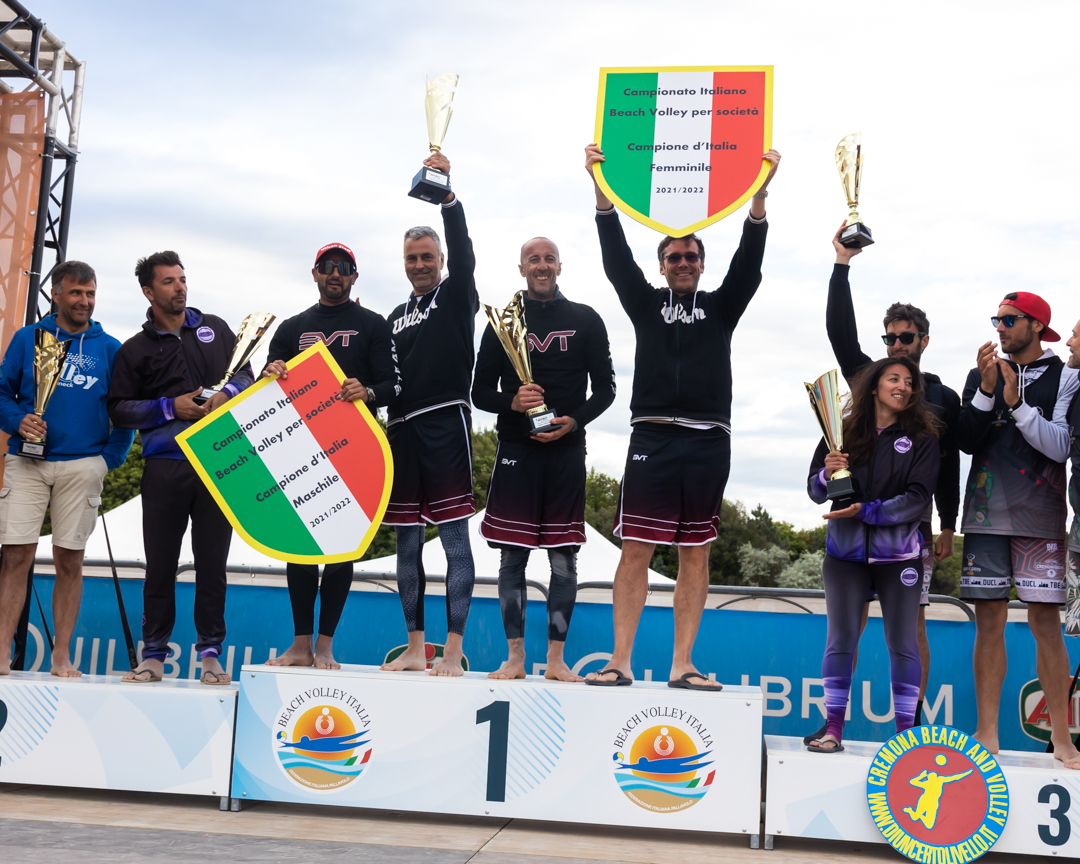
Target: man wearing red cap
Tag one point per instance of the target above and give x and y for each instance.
(1014, 423)
(360, 341)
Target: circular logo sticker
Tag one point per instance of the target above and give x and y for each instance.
(663, 766)
(909, 576)
(205, 334)
(937, 794)
(902, 445)
(321, 739)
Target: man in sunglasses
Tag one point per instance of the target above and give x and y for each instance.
(430, 426)
(680, 447)
(1014, 423)
(907, 334)
(360, 341)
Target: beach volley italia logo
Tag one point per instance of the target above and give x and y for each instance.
(662, 759)
(322, 740)
(937, 795)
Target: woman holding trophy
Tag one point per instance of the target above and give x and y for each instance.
(879, 487)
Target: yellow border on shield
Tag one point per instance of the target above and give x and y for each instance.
(373, 424)
(716, 217)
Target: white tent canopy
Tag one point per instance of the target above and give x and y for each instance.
(596, 562)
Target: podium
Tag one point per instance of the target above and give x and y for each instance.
(644, 755)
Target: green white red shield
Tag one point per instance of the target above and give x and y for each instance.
(683, 145)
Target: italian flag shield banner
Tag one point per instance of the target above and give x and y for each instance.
(683, 145)
(301, 475)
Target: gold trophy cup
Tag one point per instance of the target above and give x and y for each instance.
(431, 185)
(509, 326)
(849, 162)
(49, 356)
(249, 337)
(825, 400)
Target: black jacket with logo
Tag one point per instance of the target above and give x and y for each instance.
(682, 364)
(434, 333)
(357, 338)
(568, 349)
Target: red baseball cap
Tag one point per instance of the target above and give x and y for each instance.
(1036, 307)
(335, 247)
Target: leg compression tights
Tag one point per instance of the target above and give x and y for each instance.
(512, 590)
(304, 586)
(460, 573)
(410, 574)
(562, 592)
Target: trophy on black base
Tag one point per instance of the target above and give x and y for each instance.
(429, 184)
(849, 163)
(825, 400)
(509, 326)
(249, 337)
(49, 356)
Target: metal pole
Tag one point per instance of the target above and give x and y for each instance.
(34, 291)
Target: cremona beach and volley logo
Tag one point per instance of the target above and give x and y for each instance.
(322, 739)
(937, 795)
(662, 762)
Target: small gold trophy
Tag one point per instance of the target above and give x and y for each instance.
(825, 400)
(509, 326)
(431, 185)
(49, 356)
(249, 337)
(849, 162)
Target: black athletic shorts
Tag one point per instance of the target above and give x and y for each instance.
(673, 484)
(536, 497)
(432, 468)
(994, 562)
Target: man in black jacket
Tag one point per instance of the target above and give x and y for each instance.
(430, 425)
(360, 341)
(536, 496)
(157, 374)
(1014, 423)
(907, 334)
(680, 448)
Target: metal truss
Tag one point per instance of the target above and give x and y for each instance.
(30, 51)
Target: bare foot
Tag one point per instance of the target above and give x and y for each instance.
(559, 671)
(61, 666)
(324, 654)
(5, 662)
(148, 670)
(512, 668)
(449, 665)
(1066, 752)
(411, 660)
(213, 673)
(299, 654)
(989, 740)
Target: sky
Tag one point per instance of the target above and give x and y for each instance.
(246, 135)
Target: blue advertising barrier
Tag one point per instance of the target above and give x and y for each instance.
(779, 651)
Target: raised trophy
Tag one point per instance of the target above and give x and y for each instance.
(509, 326)
(849, 163)
(49, 356)
(825, 400)
(249, 337)
(429, 184)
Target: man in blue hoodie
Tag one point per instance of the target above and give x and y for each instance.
(82, 449)
(159, 372)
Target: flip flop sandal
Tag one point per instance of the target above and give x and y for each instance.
(149, 680)
(204, 678)
(684, 683)
(620, 679)
(817, 736)
(838, 748)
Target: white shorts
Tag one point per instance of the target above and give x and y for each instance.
(72, 489)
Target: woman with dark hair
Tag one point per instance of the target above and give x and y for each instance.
(891, 445)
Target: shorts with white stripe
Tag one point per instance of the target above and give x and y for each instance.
(673, 485)
(432, 468)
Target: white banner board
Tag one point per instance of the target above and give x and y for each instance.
(94, 732)
(531, 749)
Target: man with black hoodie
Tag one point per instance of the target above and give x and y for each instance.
(907, 334)
(360, 341)
(680, 447)
(1014, 423)
(158, 373)
(536, 496)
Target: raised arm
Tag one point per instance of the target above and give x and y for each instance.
(840, 314)
(601, 376)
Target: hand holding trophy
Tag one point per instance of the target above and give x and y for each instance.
(49, 356)
(825, 400)
(509, 326)
(249, 337)
(430, 184)
(849, 162)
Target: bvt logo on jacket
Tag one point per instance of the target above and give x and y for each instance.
(562, 335)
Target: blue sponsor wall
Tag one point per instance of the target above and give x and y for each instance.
(779, 651)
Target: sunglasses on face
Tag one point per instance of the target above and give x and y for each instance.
(676, 258)
(905, 338)
(328, 265)
(1007, 320)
